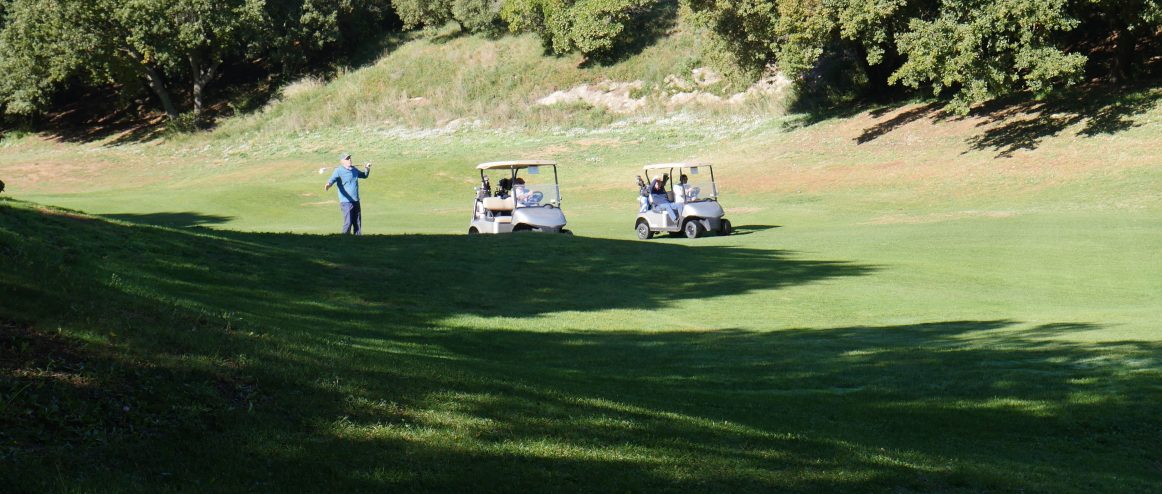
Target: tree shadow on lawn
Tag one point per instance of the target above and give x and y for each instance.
(341, 375)
(1015, 124)
(876, 131)
(1011, 127)
(913, 407)
(174, 220)
(424, 278)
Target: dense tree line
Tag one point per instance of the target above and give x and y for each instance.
(971, 50)
(968, 50)
(175, 49)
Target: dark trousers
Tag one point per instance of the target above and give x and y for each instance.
(352, 217)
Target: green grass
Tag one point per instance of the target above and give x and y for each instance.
(964, 305)
(288, 362)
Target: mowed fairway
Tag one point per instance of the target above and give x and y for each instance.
(908, 306)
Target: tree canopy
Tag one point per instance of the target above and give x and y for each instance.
(170, 46)
(970, 51)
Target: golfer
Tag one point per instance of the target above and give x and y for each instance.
(347, 178)
(658, 196)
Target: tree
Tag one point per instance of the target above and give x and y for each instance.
(477, 15)
(420, 13)
(591, 27)
(982, 49)
(974, 50)
(803, 32)
(471, 15)
(317, 35)
(198, 35)
(1129, 21)
(47, 43)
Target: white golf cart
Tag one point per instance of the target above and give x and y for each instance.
(517, 196)
(690, 207)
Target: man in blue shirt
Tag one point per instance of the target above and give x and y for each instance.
(347, 178)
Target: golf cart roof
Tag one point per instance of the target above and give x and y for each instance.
(514, 165)
(667, 166)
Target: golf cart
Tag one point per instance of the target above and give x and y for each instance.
(524, 197)
(694, 203)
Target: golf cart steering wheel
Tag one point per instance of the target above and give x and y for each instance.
(535, 197)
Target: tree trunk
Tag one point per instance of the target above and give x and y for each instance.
(202, 77)
(1124, 47)
(156, 83)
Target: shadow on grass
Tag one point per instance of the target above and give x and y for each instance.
(101, 114)
(1015, 124)
(174, 220)
(876, 131)
(276, 362)
(895, 408)
(749, 229)
(910, 407)
(421, 278)
(1009, 127)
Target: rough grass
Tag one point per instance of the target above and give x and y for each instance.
(430, 83)
(460, 80)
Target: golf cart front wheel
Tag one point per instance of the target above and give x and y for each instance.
(693, 229)
(566, 231)
(473, 231)
(726, 228)
(643, 231)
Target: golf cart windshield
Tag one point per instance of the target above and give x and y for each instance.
(699, 184)
(539, 187)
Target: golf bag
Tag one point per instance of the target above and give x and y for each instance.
(485, 189)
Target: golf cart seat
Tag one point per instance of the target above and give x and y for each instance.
(496, 204)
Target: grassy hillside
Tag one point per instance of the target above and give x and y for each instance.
(913, 302)
(431, 82)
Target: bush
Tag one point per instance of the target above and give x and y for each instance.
(477, 16)
(471, 15)
(591, 27)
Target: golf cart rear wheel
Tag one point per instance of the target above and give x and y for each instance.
(693, 229)
(643, 230)
(726, 228)
(473, 231)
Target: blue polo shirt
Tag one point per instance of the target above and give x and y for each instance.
(348, 182)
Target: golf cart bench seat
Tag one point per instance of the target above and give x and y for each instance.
(498, 204)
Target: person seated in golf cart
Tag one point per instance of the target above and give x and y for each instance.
(660, 199)
(521, 192)
(684, 192)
